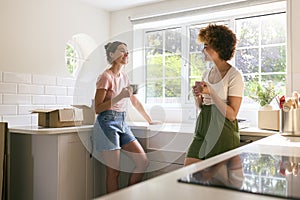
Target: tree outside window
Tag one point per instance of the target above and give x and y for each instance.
(260, 55)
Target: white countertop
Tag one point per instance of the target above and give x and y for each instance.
(52, 131)
(167, 187)
(190, 128)
(165, 127)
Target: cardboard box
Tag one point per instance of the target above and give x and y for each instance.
(269, 119)
(89, 114)
(57, 118)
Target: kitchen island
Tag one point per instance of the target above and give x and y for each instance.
(167, 186)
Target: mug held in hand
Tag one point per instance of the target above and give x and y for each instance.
(134, 88)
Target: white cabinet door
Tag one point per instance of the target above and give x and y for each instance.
(72, 168)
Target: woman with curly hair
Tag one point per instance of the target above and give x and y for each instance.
(218, 95)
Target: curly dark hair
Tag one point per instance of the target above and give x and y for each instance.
(220, 38)
(111, 47)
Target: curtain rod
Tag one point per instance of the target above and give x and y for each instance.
(202, 9)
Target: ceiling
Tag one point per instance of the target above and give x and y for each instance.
(114, 5)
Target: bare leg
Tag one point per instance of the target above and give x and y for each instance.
(189, 161)
(112, 163)
(135, 151)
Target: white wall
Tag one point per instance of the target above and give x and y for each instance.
(293, 45)
(34, 33)
(33, 74)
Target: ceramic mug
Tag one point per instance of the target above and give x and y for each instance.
(134, 88)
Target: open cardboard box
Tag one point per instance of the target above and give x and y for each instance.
(57, 118)
(89, 114)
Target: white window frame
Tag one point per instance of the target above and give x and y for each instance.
(227, 15)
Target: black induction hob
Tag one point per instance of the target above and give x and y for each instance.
(265, 174)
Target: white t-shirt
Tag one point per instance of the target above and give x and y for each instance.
(232, 84)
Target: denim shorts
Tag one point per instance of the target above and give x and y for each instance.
(111, 131)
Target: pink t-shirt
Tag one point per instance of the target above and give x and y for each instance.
(113, 85)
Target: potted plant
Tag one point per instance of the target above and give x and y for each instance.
(263, 94)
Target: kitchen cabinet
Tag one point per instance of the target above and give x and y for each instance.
(168, 187)
(166, 145)
(166, 151)
(54, 166)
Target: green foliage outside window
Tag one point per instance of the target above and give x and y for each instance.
(71, 56)
(260, 55)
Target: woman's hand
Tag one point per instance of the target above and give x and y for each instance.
(201, 88)
(126, 92)
(155, 122)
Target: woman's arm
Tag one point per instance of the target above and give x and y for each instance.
(101, 106)
(229, 110)
(140, 108)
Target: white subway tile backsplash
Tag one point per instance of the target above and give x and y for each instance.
(80, 91)
(43, 99)
(43, 79)
(16, 99)
(8, 110)
(82, 100)
(17, 120)
(10, 77)
(64, 100)
(8, 88)
(70, 91)
(57, 106)
(30, 89)
(65, 81)
(26, 109)
(56, 90)
(21, 93)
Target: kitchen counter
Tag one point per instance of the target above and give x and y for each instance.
(51, 131)
(165, 127)
(189, 128)
(167, 186)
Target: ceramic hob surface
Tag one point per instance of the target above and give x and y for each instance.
(265, 174)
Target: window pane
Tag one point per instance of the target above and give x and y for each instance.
(247, 31)
(155, 67)
(247, 60)
(194, 45)
(279, 81)
(273, 29)
(250, 82)
(154, 88)
(71, 58)
(173, 41)
(197, 66)
(154, 43)
(173, 88)
(173, 66)
(273, 59)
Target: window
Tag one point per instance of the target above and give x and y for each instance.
(163, 61)
(77, 51)
(71, 58)
(261, 51)
(173, 57)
